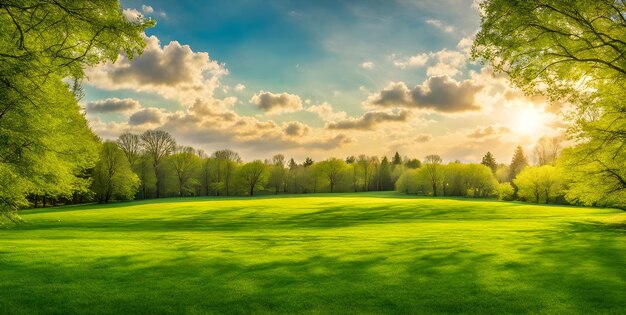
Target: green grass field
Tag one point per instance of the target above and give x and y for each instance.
(341, 253)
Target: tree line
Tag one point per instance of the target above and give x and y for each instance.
(543, 182)
(153, 165)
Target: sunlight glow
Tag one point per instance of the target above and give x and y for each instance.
(528, 120)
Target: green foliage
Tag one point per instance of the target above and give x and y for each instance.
(158, 144)
(599, 181)
(46, 146)
(480, 180)
(278, 173)
(334, 171)
(254, 175)
(503, 173)
(185, 163)
(408, 182)
(570, 51)
(113, 176)
(397, 160)
(518, 163)
(453, 179)
(505, 192)
(413, 163)
(490, 162)
(539, 183)
(384, 175)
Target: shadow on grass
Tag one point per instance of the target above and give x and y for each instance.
(256, 217)
(577, 270)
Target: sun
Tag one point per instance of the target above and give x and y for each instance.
(528, 120)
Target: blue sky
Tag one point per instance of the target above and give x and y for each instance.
(344, 55)
(312, 48)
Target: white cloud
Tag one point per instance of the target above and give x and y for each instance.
(449, 62)
(147, 9)
(446, 62)
(277, 103)
(367, 65)
(173, 71)
(205, 124)
(418, 60)
(133, 15)
(489, 131)
(326, 112)
(465, 45)
(440, 25)
(240, 87)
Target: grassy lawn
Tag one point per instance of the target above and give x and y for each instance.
(341, 253)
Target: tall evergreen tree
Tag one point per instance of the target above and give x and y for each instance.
(307, 162)
(397, 160)
(490, 162)
(518, 163)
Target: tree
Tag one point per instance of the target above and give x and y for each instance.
(45, 143)
(397, 160)
(291, 174)
(112, 175)
(480, 180)
(354, 167)
(413, 163)
(408, 182)
(185, 163)
(145, 170)
(547, 150)
(503, 173)
(207, 175)
(254, 175)
(535, 183)
(332, 169)
(385, 175)
(504, 191)
(552, 182)
(227, 162)
(518, 163)
(528, 184)
(490, 162)
(432, 165)
(569, 51)
(600, 182)
(131, 146)
(363, 163)
(158, 144)
(278, 172)
(307, 162)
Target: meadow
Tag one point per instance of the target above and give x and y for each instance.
(329, 253)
